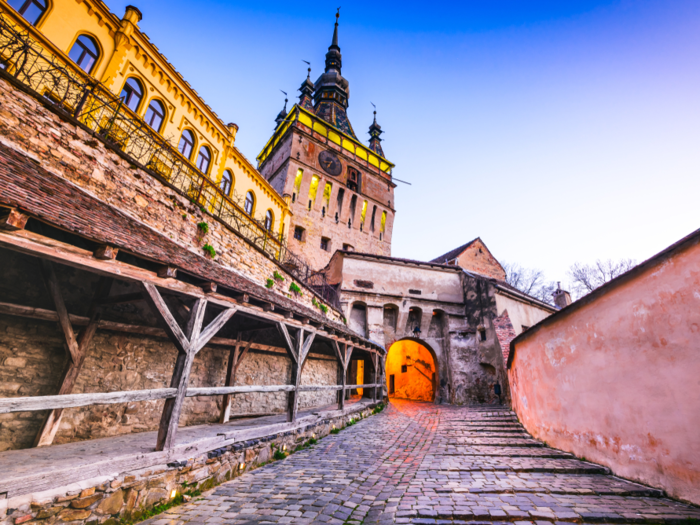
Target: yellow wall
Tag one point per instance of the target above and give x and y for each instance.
(124, 52)
(416, 383)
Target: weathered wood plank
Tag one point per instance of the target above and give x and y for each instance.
(282, 327)
(33, 404)
(52, 421)
(124, 298)
(160, 309)
(225, 414)
(213, 328)
(243, 389)
(54, 289)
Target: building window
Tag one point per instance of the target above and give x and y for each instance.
(297, 183)
(354, 178)
(203, 159)
(226, 183)
(84, 53)
(313, 189)
(339, 201)
(374, 213)
(348, 248)
(363, 214)
(31, 10)
(249, 203)
(269, 220)
(186, 143)
(299, 233)
(404, 369)
(132, 93)
(325, 244)
(155, 115)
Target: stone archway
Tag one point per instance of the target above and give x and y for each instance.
(411, 370)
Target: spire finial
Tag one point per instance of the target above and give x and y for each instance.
(335, 30)
(285, 100)
(375, 111)
(308, 75)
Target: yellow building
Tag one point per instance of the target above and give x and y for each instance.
(155, 105)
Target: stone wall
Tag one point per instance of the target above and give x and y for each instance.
(32, 356)
(613, 377)
(68, 151)
(126, 495)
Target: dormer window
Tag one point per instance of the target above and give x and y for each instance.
(354, 178)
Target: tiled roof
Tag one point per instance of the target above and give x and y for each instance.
(453, 254)
(26, 185)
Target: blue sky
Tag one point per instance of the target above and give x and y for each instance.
(558, 132)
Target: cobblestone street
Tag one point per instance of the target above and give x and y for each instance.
(422, 463)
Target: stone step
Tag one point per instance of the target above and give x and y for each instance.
(490, 450)
(447, 464)
(495, 442)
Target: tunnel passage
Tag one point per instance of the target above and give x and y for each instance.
(410, 371)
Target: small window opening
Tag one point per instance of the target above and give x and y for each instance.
(325, 244)
(404, 369)
(374, 213)
(249, 203)
(299, 233)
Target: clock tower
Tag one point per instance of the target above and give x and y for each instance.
(340, 191)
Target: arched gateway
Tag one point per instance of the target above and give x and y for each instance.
(411, 370)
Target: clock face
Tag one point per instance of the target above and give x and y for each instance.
(330, 163)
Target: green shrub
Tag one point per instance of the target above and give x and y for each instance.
(279, 455)
(335, 431)
(324, 308)
(277, 276)
(210, 250)
(312, 441)
(294, 287)
(203, 227)
(269, 283)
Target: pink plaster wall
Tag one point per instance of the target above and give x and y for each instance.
(617, 381)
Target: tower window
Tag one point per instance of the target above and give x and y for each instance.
(374, 213)
(325, 244)
(186, 143)
(203, 159)
(132, 93)
(31, 10)
(354, 178)
(155, 115)
(84, 53)
(313, 189)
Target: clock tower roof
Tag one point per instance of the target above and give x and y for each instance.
(332, 90)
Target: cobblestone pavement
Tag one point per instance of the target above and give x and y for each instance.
(421, 463)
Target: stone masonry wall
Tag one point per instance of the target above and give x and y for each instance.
(127, 495)
(32, 356)
(68, 151)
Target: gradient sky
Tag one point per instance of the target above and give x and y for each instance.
(557, 131)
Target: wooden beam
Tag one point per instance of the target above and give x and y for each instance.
(14, 220)
(230, 380)
(51, 423)
(166, 319)
(32, 404)
(35, 245)
(268, 307)
(167, 272)
(242, 298)
(54, 289)
(105, 253)
(288, 341)
(209, 287)
(243, 389)
(213, 328)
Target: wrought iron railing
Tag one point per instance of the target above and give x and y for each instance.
(101, 111)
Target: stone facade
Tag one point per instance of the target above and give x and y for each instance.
(448, 311)
(299, 150)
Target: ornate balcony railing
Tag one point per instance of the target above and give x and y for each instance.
(103, 113)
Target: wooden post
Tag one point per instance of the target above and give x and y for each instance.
(376, 381)
(234, 361)
(298, 352)
(76, 347)
(188, 343)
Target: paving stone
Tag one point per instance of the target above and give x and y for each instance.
(423, 463)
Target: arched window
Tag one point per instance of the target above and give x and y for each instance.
(269, 220)
(155, 115)
(203, 159)
(85, 53)
(31, 10)
(249, 203)
(132, 93)
(186, 143)
(226, 182)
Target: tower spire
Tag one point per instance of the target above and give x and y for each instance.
(307, 91)
(282, 114)
(335, 30)
(375, 130)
